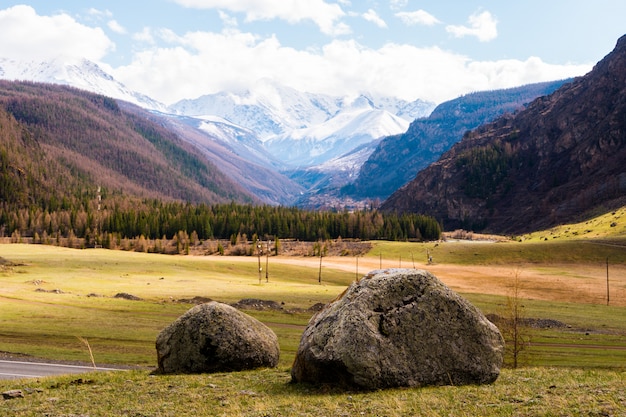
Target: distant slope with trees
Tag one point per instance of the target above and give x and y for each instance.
(65, 139)
(561, 160)
(76, 169)
(397, 159)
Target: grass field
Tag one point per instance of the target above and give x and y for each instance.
(50, 297)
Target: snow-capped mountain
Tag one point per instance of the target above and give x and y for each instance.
(242, 141)
(304, 129)
(268, 109)
(270, 128)
(346, 131)
(78, 73)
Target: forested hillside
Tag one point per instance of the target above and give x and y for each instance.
(76, 169)
(397, 159)
(560, 160)
(65, 141)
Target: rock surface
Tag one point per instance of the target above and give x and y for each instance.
(399, 327)
(215, 337)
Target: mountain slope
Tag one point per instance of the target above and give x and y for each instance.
(398, 158)
(560, 158)
(304, 129)
(61, 139)
(338, 136)
(78, 73)
(250, 167)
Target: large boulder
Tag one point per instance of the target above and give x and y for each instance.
(399, 327)
(215, 337)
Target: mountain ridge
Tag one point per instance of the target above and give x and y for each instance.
(302, 129)
(561, 157)
(88, 140)
(398, 158)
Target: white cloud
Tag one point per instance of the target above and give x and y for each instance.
(201, 63)
(169, 66)
(116, 27)
(324, 15)
(26, 35)
(398, 4)
(99, 13)
(228, 20)
(417, 17)
(483, 26)
(144, 36)
(372, 16)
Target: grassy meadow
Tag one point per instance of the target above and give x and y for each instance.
(51, 297)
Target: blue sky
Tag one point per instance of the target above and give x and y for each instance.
(433, 50)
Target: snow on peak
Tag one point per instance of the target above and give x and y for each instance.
(337, 136)
(301, 128)
(76, 72)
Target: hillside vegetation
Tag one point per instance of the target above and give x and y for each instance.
(78, 170)
(58, 144)
(559, 161)
(397, 159)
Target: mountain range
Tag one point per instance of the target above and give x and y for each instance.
(487, 160)
(557, 161)
(263, 137)
(398, 158)
(302, 129)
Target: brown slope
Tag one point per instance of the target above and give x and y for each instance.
(88, 140)
(562, 157)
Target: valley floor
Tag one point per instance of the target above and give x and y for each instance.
(579, 283)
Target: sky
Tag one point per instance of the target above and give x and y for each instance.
(433, 50)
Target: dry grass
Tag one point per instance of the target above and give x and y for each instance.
(527, 392)
(47, 323)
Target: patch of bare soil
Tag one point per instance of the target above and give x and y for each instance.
(195, 300)
(256, 304)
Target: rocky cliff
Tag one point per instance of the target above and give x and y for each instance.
(561, 158)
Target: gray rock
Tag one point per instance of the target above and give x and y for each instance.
(399, 327)
(215, 337)
(12, 394)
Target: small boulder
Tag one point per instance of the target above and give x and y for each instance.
(12, 394)
(399, 328)
(215, 337)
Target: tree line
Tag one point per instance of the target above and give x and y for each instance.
(155, 219)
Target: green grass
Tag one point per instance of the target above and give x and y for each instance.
(48, 324)
(571, 371)
(526, 392)
(502, 253)
(605, 226)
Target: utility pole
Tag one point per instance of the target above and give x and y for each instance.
(319, 278)
(607, 281)
(97, 236)
(259, 249)
(267, 261)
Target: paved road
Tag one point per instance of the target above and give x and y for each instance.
(18, 369)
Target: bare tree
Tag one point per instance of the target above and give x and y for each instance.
(513, 324)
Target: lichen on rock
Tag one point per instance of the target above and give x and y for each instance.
(215, 337)
(399, 327)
